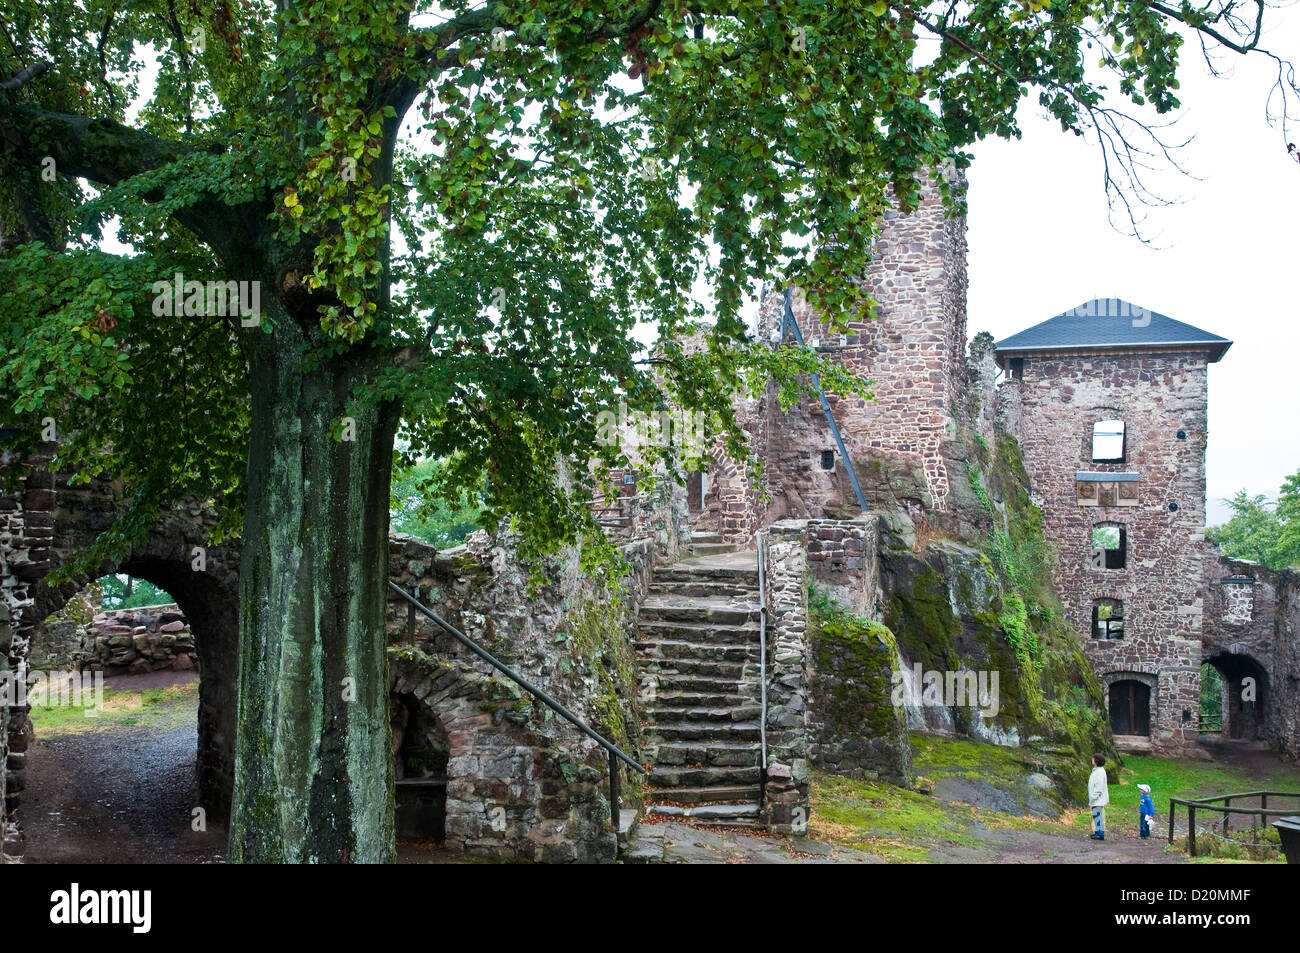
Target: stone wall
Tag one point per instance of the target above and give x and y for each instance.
(855, 728)
(912, 347)
(1252, 632)
(138, 640)
(786, 565)
(1162, 399)
(521, 782)
(838, 557)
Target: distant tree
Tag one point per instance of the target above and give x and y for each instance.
(419, 506)
(127, 592)
(1262, 530)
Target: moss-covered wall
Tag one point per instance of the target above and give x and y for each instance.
(856, 730)
(982, 600)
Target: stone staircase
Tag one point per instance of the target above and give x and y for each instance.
(697, 650)
(709, 543)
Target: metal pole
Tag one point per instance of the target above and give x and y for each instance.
(496, 663)
(1191, 830)
(410, 622)
(1227, 802)
(1263, 808)
(1173, 806)
(613, 791)
(789, 318)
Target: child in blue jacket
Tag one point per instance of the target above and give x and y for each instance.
(1146, 810)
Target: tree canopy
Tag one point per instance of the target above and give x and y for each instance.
(560, 174)
(1262, 530)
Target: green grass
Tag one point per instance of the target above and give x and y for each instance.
(170, 707)
(905, 825)
(1189, 779)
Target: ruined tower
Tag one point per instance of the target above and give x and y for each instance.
(911, 347)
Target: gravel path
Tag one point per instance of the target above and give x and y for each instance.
(118, 794)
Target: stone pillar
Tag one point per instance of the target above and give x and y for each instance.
(785, 809)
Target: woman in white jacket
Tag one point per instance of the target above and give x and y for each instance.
(1098, 796)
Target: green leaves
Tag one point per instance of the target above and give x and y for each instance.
(513, 215)
(1262, 530)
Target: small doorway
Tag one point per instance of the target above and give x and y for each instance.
(421, 751)
(1130, 708)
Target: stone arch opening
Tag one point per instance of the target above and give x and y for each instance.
(1245, 695)
(1132, 705)
(204, 583)
(1130, 708)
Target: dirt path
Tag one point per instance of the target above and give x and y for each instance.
(118, 793)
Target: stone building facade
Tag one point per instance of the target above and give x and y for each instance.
(1109, 403)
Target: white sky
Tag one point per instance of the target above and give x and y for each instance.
(1226, 259)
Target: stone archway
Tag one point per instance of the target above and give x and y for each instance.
(46, 525)
(1133, 707)
(1245, 694)
(512, 792)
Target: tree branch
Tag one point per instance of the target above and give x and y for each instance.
(107, 153)
(25, 76)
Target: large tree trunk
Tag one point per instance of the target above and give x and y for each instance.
(313, 771)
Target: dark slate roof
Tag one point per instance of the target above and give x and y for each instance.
(1110, 323)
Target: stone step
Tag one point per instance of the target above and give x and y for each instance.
(746, 814)
(662, 714)
(696, 611)
(733, 793)
(665, 780)
(705, 535)
(672, 668)
(710, 549)
(728, 753)
(667, 683)
(695, 572)
(676, 698)
(702, 731)
(714, 588)
(652, 629)
(674, 649)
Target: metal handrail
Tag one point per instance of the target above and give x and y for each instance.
(615, 753)
(762, 667)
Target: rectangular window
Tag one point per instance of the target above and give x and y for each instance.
(1109, 547)
(1108, 619)
(1016, 369)
(1108, 440)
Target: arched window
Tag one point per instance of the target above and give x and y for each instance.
(1109, 546)
(1108, 619)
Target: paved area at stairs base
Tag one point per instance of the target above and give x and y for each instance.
(676, 843)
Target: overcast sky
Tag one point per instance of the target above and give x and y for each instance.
(1228, 259)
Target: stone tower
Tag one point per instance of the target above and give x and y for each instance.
(912, 349)
(1109, 404)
